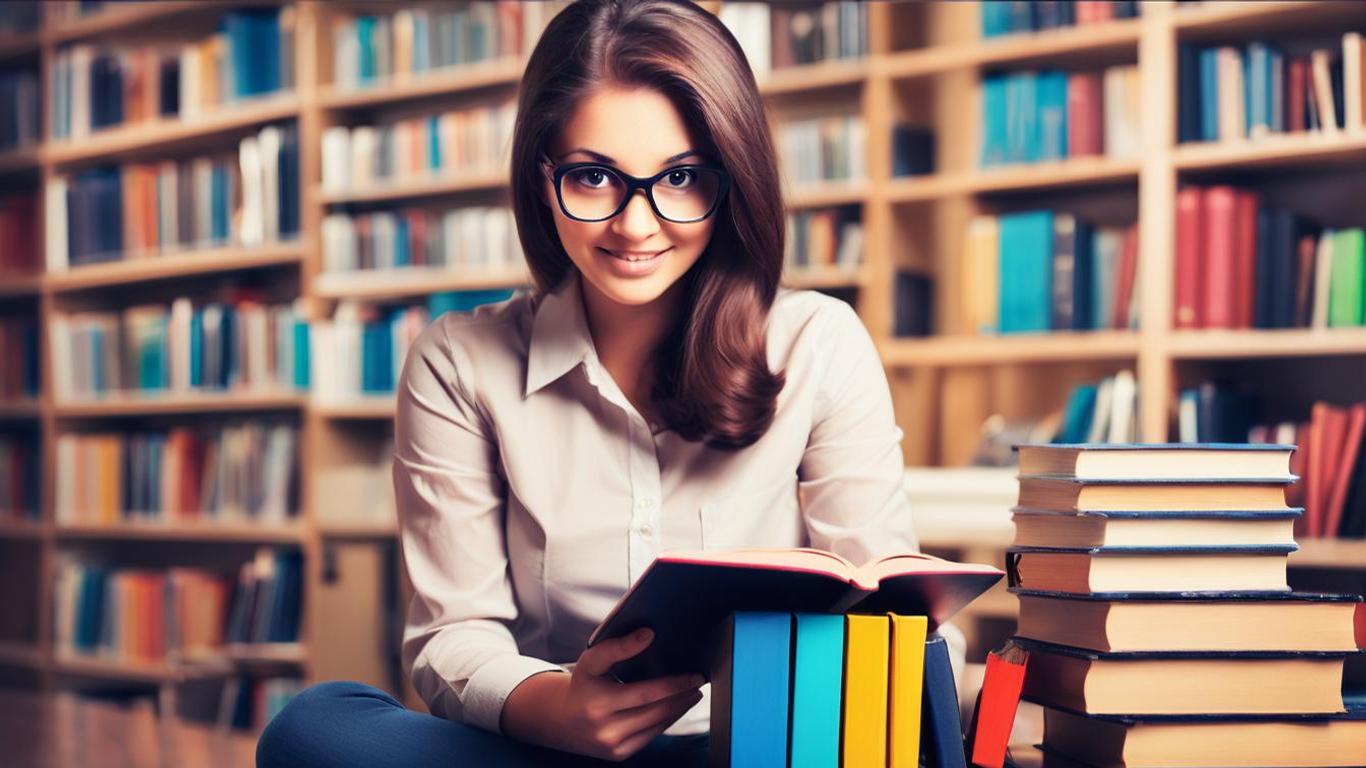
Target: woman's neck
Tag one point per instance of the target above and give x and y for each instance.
(626, 336)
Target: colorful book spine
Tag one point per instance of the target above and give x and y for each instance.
(823, 149)
(825, 237)
(1047, 116)
(866, 665)
(461, 239)
(817, 691)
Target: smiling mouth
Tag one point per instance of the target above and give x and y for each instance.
(635, 255)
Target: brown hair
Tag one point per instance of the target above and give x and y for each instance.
(712, 380)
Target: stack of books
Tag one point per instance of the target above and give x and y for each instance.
(1241, 263)
(1155, 608)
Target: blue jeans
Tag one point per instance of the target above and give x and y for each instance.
(340, 725)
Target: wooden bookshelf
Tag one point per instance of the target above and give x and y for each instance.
(1042, 48)
(18, 160)
(15, 286)
(153, 404)
(19, 409)
(456, 80)
(1011, 349)
(380, 285)
(244, 531)
(24, 655)
(134, 671)
(176, 264)
(1276, 150)
(1076, 172)
(22, 529)
(436, 186)
(373, 408)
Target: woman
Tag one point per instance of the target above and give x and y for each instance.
(657, 392)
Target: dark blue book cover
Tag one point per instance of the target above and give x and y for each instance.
(942, 728)
(1209, 94)
(1188, 93)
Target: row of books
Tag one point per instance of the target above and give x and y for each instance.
(1331, 466)
(360, 350)
(1155, 610)
(1037, 271)
(1101, 412)
(1015, 16)
(20, 16)
(239, 343)
(113, 212)
(777, 36)
(222, 474)
(467, 141)
(20, 116)
(1241, 263)
(95, 87)
(18, 477)
(823, 237)
(823, 149)
(459, 238)
(1228, 93)
(816, 689)
(19, 359)
(177, 614)
(19, 233)
(1035, 117)
(376, 48)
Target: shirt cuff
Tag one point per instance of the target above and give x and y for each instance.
(491, 684)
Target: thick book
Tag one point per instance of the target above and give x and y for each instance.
(1228, 621)
(1062, 493)
(1184, 683)
(1197, 742)
(1046, 528)
(1159, 461)
(749, 712)
(1148, 569)
(941, 732)
(685, 596)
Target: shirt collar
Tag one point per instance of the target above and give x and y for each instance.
(559, 335)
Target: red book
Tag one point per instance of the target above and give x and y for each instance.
(1084, 119)
(1306, 252)
(1296, 85)
(1327, 427)
(1341, 472)
(1245, 249)
(996, 705)
(1128, 276)
(1189, 244)
(1220, 280)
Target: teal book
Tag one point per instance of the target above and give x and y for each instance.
(302, 377)
(1022, 117)
(817, 674)
(750, 691)
(1050, 90)
(1348, 271)
(993, 121)
(1025, 254)
(197, 348)
(365, 31)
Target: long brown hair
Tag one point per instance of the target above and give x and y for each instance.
(712, 380)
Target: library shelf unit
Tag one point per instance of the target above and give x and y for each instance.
(924, 67)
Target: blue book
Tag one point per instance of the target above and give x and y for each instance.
(817, 676)
(218, 203)
(994, 120)
(1083, 277)
(1025, 253)
(97, 361)
(941, 728)
(1188, 93)
(1276, 63)
(995, 19)
(402, 253)
(365, 30)
(302, 355)
(1257, 87)
(1050, 91)
(1022, 118)
(1209, 94)
(227, 335)
(1078, 414)
(422, 56)
(750, 691)
(434, 142)
(197, 348)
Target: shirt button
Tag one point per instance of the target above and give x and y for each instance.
(645, 530)
(645, 503)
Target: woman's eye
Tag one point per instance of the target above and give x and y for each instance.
(680, 178)
(591, 177)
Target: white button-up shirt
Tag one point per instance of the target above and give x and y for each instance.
(531, 493)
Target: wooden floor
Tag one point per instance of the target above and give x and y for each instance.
(65, 731)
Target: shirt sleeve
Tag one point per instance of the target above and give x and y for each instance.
(852, 472)
(450, 496)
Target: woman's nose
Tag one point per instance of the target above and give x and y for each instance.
(638, 221)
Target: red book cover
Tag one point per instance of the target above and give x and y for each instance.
(1220, 280)
(1246, 252)
(1084, 114)
(1328, 425)
(1341, 472)
(1296, 85)
(996, 705)
(1189, 240)
(1305, 252)
(1126, 279)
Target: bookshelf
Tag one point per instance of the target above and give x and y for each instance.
(924, 66)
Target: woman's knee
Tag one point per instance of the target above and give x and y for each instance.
(310, 714)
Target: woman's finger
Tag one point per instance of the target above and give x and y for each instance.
(637, 741)
(659, 713)
(599, 659)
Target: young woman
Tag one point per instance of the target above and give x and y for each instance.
(658, 391)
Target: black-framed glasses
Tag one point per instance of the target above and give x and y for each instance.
(595, 192)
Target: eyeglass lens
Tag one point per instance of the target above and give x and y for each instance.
(597, 192)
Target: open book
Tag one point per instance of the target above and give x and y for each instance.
(685, 596)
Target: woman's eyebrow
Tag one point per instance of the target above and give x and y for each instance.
(601, 158)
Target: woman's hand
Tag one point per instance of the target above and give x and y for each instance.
(589, 713)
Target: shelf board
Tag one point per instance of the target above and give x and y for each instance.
(14, 286)
(826, 194)
(265, 653)
(1330, 553)
(1289, 342)
(138, 671)
(463, 78)
(120, 17)
(156, 404)
(1074, 172)
(176, 264)
(379, 285)
(807, 77)
(1271, 151)
(376, 530)
(236, 531)
(1113, 39)
(1259, 16)
(431, 186)
(372, 408)
(19, 409)
(157, 136)
(14, 45)
(26, 655)
(1011, 349)
(20, 528)
(19, 160)
(826, 276)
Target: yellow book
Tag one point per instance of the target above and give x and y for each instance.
(980, 279)
(907, 682)
(865, 691)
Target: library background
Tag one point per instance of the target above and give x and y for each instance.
(221, 223)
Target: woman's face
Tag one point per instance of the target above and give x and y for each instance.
(635, 256)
